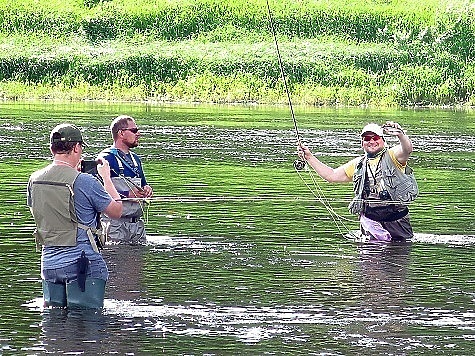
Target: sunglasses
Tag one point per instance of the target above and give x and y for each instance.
(368, 138)
(133, 130)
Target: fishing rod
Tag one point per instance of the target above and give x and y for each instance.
(290, 198)
(299, 163)
(192, 199)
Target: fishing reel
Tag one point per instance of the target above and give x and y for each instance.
(299, 164)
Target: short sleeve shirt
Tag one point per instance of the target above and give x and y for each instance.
(90, 197)
(350, 167)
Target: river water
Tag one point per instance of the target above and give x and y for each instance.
(241, 257)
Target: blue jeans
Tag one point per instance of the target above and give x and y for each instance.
(61, 287)
(96, 269)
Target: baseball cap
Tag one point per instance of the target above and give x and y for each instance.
(374, 128)
(66, 133)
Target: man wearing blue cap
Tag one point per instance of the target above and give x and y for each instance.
(65, 205)
(382, 181)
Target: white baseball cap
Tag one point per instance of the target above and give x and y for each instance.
(374, 128)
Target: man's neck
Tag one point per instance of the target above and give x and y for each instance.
(122, 147)
(64, 160)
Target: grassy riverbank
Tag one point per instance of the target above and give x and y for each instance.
(380, 53)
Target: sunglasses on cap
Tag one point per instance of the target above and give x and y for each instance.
(368, 138)
(133, 130)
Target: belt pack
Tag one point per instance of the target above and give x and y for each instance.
(385, 213)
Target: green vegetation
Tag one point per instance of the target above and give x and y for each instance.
(346, 52)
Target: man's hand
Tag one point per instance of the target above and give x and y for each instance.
(145, 192)
(392, 128)
(103, 168)
(404, 149)
(303, 151)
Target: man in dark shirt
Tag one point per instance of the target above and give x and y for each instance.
(129, 179)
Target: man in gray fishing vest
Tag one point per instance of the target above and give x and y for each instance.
(382, 181)
(65, 205)
(129, 179)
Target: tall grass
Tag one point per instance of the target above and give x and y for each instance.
(343, 52)
(451, 23)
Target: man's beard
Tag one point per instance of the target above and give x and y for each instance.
(133, 144)
(375, 154)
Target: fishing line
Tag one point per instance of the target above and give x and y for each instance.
(338, 219)
(300, 164)
(192, 199)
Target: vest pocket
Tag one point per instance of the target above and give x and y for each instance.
(401, 186)
(356, 205)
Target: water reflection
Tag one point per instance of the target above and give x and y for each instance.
(81, 332)
(270, 276)
(70, 331)
(383, 269)
(125, 264)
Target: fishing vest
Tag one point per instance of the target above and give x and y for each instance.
(52, 206)
(401, 186)
(130, 209)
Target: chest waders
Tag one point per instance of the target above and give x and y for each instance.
(401, 188)
(129, 228)
(71, 295)
(130, 210)
(52, 206)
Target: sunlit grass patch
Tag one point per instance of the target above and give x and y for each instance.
(339, 53)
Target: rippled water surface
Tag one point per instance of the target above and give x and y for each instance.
(242, 258)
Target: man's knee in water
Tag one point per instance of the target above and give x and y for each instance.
(54, 294)
(91, 298)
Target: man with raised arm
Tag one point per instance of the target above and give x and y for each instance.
(383, 183)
